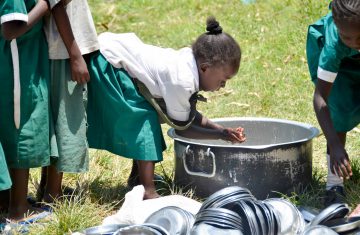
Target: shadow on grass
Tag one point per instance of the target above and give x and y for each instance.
(105, 193)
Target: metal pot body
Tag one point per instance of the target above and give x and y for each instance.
(265, 169)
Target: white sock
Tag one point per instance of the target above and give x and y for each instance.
(332, 179)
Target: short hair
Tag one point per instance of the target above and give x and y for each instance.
(216, 47)
(346, 10)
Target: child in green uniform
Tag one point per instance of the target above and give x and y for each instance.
(70, 34)
(24, 73)
(123, 122)
(333, 46)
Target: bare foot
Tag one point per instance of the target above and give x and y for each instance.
(20, 213)
(355, 212)
(150, 194)
(47, 198)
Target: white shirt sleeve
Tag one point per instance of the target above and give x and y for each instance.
(325, 75)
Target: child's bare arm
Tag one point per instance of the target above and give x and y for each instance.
(339, 159)
(204, 128)
(78, 66)
(14, 29)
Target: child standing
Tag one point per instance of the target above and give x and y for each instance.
(123, 122)
(71, 35)
(333, 46)
(24, 73)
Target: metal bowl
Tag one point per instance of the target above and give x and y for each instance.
(108, 229)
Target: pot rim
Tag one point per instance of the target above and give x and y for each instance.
(314, 133)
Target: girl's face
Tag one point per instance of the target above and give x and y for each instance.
(349, 33)
(212, 78)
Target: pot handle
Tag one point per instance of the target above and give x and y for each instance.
(208, 153)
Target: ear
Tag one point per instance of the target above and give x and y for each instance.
(204, 67)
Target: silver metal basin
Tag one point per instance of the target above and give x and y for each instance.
(276, 157)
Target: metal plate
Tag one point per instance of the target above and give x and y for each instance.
(308, 213)
(171, 219)
(137, 230)
(343, 224)
(318, 230)
(103, 229)
(291, 219)
(334, 211)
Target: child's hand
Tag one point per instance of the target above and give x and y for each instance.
(79, 71)
(340, 163)
(234, 134)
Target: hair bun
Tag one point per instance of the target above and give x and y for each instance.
(212, 26)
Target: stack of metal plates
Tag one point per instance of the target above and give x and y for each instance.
(292, 221)
(220, 218)
(255, 217)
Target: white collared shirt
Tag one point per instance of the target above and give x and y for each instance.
(82, 26)
(167, 73)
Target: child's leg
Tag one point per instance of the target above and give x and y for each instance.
(133, 179)
(42, 184)
(146, 176)
(53, 184)
(18, 205)
(333, 179)
(4, 200)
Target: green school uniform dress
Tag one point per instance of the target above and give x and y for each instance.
(331, 60)
(24, 106)
(120, 119)
(5, 181)
(69, 146)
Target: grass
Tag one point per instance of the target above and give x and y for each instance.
(273, 81)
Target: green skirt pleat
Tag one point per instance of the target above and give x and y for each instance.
(121, 120)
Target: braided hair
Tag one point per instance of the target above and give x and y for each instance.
(346, 10)
(216, 47)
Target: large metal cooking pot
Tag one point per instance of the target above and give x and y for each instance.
(276, 157)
